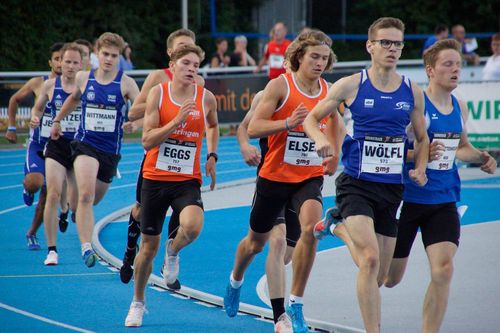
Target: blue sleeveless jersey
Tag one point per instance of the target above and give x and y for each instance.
(42, 133)
(374, 147)
(443, 180)
(70, 123)
(102, 115)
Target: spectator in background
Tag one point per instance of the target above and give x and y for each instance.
(440, 32)
(86, 48)
(125, 63)
(219, 58)
(240, 56)
(274, 52)
(491, 70)
(468, 45)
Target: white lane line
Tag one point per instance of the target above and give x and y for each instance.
(10, 186)
(16, 208)
(46, 320)
(52, 275)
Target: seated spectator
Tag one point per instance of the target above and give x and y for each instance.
(491, 71)
(468, 45)
(240, 56)
(125, 63)
(219, 58)
(440, 32)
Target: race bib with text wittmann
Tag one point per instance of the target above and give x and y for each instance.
(100, 118)
(300, 150)
(382, 155)
(177, 156)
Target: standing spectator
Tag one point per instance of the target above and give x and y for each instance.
(440, 32)
(125, 60)
(491, 70)
(219, 58)
(468, 45)
(240, 56)
(274, 52)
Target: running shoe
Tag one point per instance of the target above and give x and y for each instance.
(283, 325)
(327, 224)
(33, 244)
(126, 271)
(28, 198)
(135, 313)
(170, 265)
(294, 311)
(232, 300)
(176, 285)
(52, 259)
(89, 257)
(63, 221)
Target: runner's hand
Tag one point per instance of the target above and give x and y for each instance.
(489, 164)
(210, 171)
(251, 155)
(11, 136)
(34, 122)
(418, 176)
(330, 165)
(55, 131)
(323, 148)
(436, 150)
(298, 115)
(187, 106)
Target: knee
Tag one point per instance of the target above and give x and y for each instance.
(192, 229)
(255, 246)
(136, 212)
(443, 272)
(148, 251)
(53, 197)
(277, 244)
(86, 197)
(370, 262)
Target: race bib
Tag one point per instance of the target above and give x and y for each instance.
(177, 156)
(446, 161)
(276, 61)
(382, 155)
(71, 122)
(99, 119)
(45, 126)
(300, 150)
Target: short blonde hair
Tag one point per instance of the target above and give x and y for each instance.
(297, 49)
(177, 33)
(385, 23)
(111, 39)
(432, 53)
(186, 49)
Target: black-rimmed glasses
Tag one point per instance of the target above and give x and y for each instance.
(387, 43)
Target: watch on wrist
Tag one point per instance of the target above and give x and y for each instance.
(214, 155)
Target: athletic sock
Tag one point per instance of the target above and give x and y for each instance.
(52, 248)
(295, 300)
(278, 305)
(134, 232)
(234, 283)
(85, 247)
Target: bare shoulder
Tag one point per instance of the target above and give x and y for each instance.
(464, 110)
(210, 98)
(200, 80)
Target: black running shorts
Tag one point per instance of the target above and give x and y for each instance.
(107, 162)
(380, 201)
(438, 223)
(60, 151)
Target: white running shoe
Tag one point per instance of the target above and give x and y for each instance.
(135, 313)
(170, 265)
(52, 259)
(283, 325)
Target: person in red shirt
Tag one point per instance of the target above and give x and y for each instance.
(274, 52)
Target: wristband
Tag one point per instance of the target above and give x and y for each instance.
(11, 128)
(56, 121)
(214, 155)
(286, 124)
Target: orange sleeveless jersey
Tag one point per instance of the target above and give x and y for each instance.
(292, 157)
(178, 158)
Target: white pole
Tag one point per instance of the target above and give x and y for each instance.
(185, 14)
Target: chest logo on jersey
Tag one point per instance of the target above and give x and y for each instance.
(112, 98)
(90, 95)
(405, 106)
(434, 116)
(369, 103)
(58, 103)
